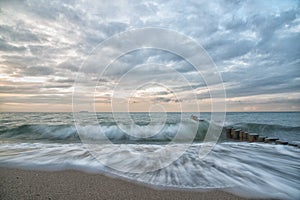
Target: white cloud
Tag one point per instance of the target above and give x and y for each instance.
(254, 43)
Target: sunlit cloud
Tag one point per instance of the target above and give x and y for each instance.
(255, 46)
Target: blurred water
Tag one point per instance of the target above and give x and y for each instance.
(49, 141)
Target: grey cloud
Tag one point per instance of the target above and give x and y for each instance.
(269, 80)
(224, 28)
(167, 100)
(284, 49)
(52, 99)
(18, 89)
(62, 80)
(232, 49)
(57, 86)
(4, 46)
(113, 28)
(267, 25)
(103, 100)
(19, 60)
(72, 65)
(18, 33)
(50, 10)
(99, 32)
(38, 71)
(272, 100)
(279, 100)
(162, 99)
(190, 87)
(263, 86)
(33, 89)
(162, 93)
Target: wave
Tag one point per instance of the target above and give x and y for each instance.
(40, 132)
(138, 133)
(115, 133)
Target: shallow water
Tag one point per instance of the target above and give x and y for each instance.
(49, 141)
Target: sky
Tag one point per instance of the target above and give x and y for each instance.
(46, 45)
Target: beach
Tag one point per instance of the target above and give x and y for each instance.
(72, 184)
(149, 99)
(45, 150)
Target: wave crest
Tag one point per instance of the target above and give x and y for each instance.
(113, 132)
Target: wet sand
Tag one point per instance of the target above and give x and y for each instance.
(71, 184)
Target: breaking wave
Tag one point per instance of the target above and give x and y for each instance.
(68, 133)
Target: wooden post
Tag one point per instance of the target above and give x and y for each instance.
(295, 143)
(228, 132)
(252, 137)
(236, 134)
(271, 139)
(261, 138)
(232, 132)
(245, 136)
(281, 142)
(241, 135)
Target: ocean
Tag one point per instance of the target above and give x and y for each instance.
(160, 149)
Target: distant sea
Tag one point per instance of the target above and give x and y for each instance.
(49, 141)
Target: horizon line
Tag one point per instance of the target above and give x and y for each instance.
(145, 112)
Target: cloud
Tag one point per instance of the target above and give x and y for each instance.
(6, 47)
(18, 89)
(18, 34)
(38, 71)
(253, 43)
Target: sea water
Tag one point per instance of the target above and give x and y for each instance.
(50, 141)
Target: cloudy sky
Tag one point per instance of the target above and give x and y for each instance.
(45, 44)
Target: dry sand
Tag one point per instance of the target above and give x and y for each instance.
(71, 184)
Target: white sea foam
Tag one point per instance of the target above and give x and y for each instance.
(255, 170)
(49, 141)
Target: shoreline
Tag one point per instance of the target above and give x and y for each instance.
(72, 184)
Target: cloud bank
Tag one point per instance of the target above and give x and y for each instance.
(255, 45)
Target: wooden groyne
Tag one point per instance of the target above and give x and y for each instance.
(238, 134)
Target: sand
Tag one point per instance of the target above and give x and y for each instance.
(71, 184)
